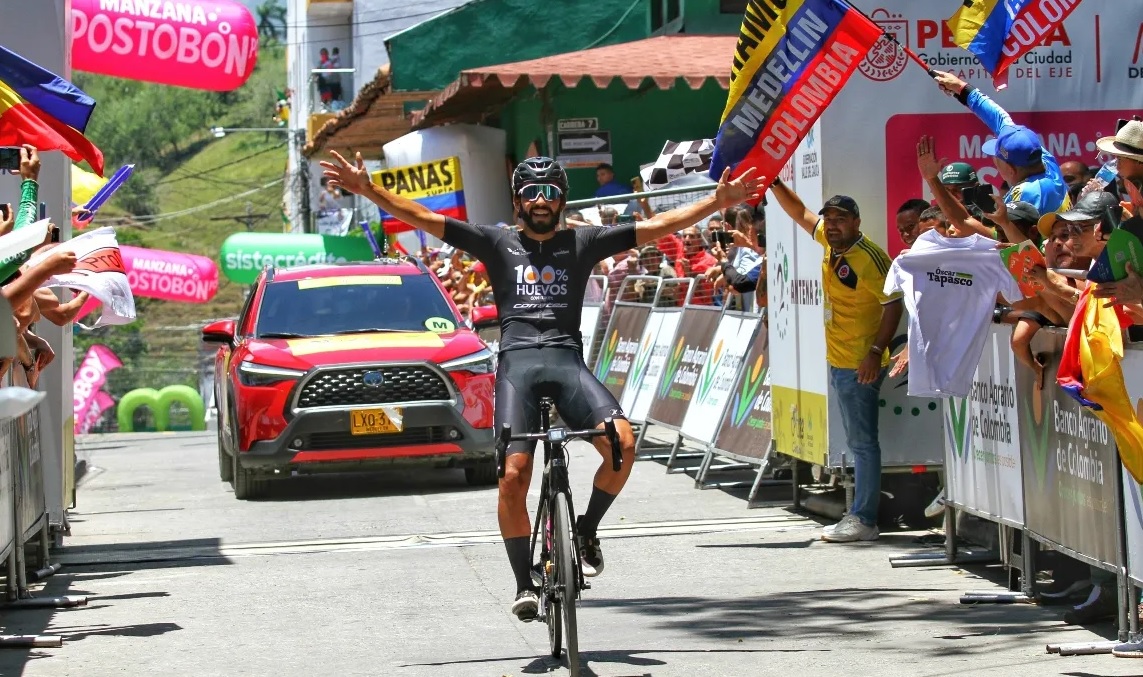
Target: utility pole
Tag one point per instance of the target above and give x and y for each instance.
(248, 219)
(304, 178)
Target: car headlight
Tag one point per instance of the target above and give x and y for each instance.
(481, 362)
(252, 374)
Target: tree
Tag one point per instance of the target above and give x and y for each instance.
(270, 15)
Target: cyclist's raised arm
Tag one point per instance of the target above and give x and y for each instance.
(355, 179)
(727, 194)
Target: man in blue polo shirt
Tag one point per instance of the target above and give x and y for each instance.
(1020, 158)
(608, 186)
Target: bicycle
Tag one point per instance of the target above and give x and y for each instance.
(559, 547)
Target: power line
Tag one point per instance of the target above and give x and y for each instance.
(148, 219)
(222, 166)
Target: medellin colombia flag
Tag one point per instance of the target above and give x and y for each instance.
(998, 32)
(792, 58)
(40, 108)
(436, 185)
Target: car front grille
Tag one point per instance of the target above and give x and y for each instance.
(410, 436)
(346, 387)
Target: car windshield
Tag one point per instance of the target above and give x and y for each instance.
(352, 304)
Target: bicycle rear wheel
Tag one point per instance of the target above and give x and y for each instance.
(567, 577)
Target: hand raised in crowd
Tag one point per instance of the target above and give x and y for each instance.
(740, 240)
(8, 220)
(927, 161)
(742, 189)
(949, 83)
(717, 252)
(59, 261)
(29, 163)
(352, 178)
(1134, 204)
(1127, 290)
(1000, 216)
(41, 349)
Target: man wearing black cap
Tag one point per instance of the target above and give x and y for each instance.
(1020, 158)
(860, 321)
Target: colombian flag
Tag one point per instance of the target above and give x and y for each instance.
(436, 185)
(40, 108)
(1090, 372)
(999, 32)
(792, 58)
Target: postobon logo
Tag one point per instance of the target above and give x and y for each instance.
(886, 60)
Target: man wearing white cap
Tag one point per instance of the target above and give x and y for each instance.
(1127, 147)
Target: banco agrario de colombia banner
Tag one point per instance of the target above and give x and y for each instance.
(436, 185)
(792, 59)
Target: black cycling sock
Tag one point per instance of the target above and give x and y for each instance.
(597, 507)
(518, 556)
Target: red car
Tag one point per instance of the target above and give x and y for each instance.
(339, 367)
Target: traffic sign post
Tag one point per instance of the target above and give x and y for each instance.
(586, 148)
(577, 125)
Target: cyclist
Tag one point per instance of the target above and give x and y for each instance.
(539, 276)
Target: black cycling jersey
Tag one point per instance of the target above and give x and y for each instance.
(539, 286)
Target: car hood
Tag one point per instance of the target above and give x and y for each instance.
(305, 353)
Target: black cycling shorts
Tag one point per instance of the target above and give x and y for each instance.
(525, 375)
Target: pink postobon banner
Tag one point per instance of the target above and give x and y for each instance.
(101, 404)
(201, 45)
(89, 380)
(171, 276)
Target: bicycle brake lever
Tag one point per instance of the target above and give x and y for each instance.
(502, 448)
(616, 448)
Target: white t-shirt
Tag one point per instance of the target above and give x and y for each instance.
(950, 288)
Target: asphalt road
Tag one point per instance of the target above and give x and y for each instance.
(404, 575)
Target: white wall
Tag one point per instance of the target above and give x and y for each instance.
(40, 35)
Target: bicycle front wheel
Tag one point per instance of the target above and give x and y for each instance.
(567, 577)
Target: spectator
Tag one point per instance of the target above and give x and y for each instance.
(860, 321)
(908, 217)
(608, 186)
(694, 262)
(1127, 147)
(627, 264)
(574, 219)
(932, 219)
(1074, 173)
(959, 177)
(333, 80)
(1020, 158)
(322, 80)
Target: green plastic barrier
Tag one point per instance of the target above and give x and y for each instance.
(243, 255)
(159, 402)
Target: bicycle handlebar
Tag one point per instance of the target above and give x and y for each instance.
(560, 435)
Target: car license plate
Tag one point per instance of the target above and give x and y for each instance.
(376, 421)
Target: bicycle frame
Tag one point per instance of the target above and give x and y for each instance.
(554, 482)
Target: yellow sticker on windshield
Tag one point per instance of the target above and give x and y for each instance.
(329, 344)
(440, 325)
(343, 281)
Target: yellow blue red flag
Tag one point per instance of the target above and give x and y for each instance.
(792, 58)
(998, 32)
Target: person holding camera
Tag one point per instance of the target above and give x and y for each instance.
(1022, 161)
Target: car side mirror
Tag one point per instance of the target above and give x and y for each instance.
(483, 317)
(219, 332)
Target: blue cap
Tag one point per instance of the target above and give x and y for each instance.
(1017, 145)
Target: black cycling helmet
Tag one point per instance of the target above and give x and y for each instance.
(539, 170)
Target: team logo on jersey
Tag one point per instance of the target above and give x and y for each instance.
(541, 283)
(843, 272)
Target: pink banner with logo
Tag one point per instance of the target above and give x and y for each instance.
(89, 379)
(102, 403)
(171, 276)
(202, 45)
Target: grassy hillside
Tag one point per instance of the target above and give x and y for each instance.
(193, 170)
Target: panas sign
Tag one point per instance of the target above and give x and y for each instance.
(210, 46)
(89, 379)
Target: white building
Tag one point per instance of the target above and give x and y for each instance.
(358, 30)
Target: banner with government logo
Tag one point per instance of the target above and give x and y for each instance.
(1070, 475)
(684, 363)
(719, 375)
(1132, 365)
(620, 346)
(983, 469)
(799, 377)
(1074, 78)
(746, 427)
(656, 365)
(641, 362)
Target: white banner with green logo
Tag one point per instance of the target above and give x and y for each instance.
(1132, 366)
(982, 438)
(718, 377)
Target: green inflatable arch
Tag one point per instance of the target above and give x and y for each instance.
(160, 401)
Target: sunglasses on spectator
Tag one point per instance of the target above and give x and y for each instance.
(1078, 229)
(534, 191)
